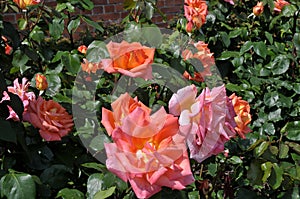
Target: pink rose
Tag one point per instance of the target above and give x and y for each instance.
(195, 12)
(207, 120)
(50, 117)
(230, 1)
(131, 59)
(147, 150)
(22, 91)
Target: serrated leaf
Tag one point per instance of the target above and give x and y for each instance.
(17, 185)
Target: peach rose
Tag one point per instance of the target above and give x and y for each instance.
(258, 9)
(50, 117)
(147, 150)
(22, 91)
(41, 82)
(207, 120)
(195, 12)
(131, 59)
(24, 3)
(279, 4)
(204, 55)
(243, 116)
(89, 67)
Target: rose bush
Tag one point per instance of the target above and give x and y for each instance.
(215, 112)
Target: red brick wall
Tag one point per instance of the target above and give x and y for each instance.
(112, 10)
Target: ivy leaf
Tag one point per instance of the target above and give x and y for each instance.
(17, 185)
(94, 184)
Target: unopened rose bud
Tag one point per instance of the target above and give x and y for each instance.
(82, 49)
(258, 9)
(189, 26)
(41, 82)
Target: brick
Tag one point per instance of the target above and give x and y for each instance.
(98, 10)
(114, 1)
(10, 18)
(109, 8)
(100, 2)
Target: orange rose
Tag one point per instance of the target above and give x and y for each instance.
(82, 49)
(24, 3)
(131, 59)
(8, 48)
(243, 116)
(258, 9)
(50, 117)
(279, 4)
(41, 82)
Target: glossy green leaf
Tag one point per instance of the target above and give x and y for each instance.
(267, 169)
(235, 160)
(17, 185)
(105, 193)
(71, 62)
(280, 65)
(129, 4)
(67, 193)
(94, 184)
(246, 47)
(87, 4)
(269, 128)
(56, 28)
(275, 115)
(149, 9)
(96, 51)
(20, 60)
(94, 165)
(283, 150)
(261, 148)
(92, 23)
(260, 49)
(73, 25)
(22, 23)
(212, 169)
(37, 34)
(228, 54)
(269, 36)
(153, 36)
(278, 176)
(292, 130)
(225, 38)
(271, 98)
(294, 146)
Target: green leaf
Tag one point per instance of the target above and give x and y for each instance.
(271, 98)
(17, 185)
(233, 87)
(212, 169)
(228, 54)
(105, 193)
(7, 133)
(261, 148)
(266, 168)
(22, 23)
(93, 165)
(149, 9)
(54, 84)
(67, 193)
(56, 28)
(96, 51)
(235, 160)
(97, 144)
(269, 37)
(275, 115)
(294, 146)
(92, 23)
(280, 65)
(283, 150)
(260, 49)
(71, 62)
(246, 47)
(278, 176)
(94, 184)
(37, 34)
(56, 176)
(193, 195)
(129, 4)
(235, 33)
(73, 25)
(269, 128)
(19, 60)
(87, 4)
(225, 38)
(152, 35)
(296, 87)
(292, 130)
